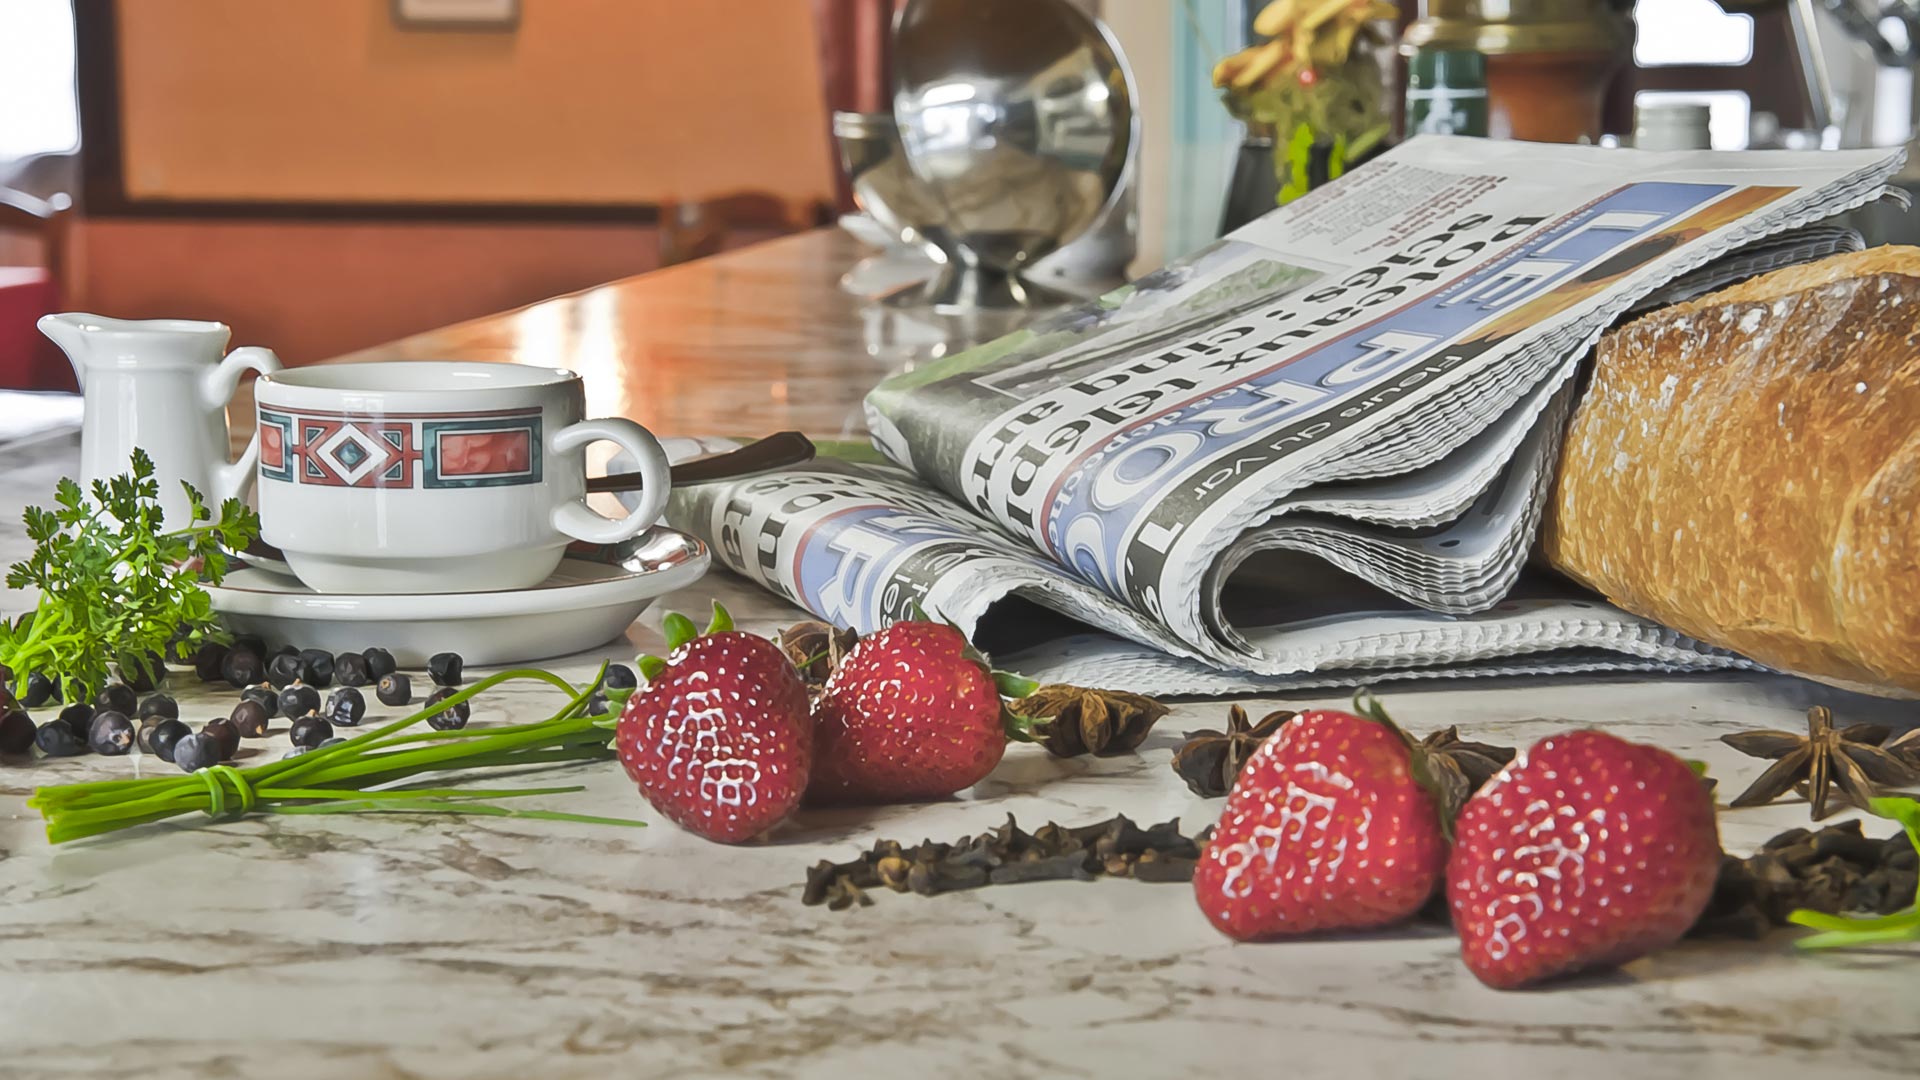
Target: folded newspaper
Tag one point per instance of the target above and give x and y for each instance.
(1313, 453)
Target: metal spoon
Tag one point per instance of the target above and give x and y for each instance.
(773, 452)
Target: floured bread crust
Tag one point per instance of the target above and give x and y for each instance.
(1745, 468)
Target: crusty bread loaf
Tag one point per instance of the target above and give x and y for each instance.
(1745, 468)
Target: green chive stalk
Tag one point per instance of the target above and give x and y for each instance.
(351, 777)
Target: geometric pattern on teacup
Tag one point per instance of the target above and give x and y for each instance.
(493, 452)
(427, 450)
(276, 437)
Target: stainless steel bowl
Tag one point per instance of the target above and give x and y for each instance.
(885, 187)
(1018, 115)
(883, 184)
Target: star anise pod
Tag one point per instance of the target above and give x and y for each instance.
(1073, 720)
(1849, 757)
(816, 648)
(1210, 761)
(1459, 767)
(1906, 747)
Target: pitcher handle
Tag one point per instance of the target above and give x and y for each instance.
(576, 520)
(233, 481)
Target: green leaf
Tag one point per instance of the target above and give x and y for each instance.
(40, 524)
(69, 497)
(196, 607)
(679, 630)
(1014, 685)
(1901, 809)
(196, 505)
(722, 620)
(651, 667)
(1886, 930)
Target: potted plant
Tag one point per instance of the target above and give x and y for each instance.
(1313, 90)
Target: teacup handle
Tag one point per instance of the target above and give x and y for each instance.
(231, 481)
(582, 523)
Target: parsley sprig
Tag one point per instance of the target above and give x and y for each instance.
(116, 586)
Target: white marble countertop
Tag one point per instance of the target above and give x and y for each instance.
(430, 947)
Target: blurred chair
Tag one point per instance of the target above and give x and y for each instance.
(695, 230)
(28, 361)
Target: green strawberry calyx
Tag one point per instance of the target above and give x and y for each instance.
(1446, 803)
(1013, 684)
(1018, 726)
(680, 630)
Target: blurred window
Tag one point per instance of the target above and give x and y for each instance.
(39, 109)
(1690, 32)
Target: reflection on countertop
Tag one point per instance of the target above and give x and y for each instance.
(756, 340)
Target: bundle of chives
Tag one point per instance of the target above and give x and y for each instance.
(349, 777)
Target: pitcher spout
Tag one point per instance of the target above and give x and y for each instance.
(95, 340)
(69, 332)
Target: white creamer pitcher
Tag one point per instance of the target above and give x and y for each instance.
(161, 385)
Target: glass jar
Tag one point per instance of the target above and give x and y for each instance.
(1548, 62)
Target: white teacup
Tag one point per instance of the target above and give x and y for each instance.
(435, 476)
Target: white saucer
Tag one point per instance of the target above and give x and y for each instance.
(590, 600)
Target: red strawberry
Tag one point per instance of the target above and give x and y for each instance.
(1586, 851)
(1325, 829)
(910, 714)
(719, 739)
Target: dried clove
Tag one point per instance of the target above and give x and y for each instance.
(1066, 866)
(1124, 839)
(1154, 867)
(1006, 855)
(1835, 870)
(1210, 761)
(846, 894)
(932, 878)
(1734, 910)
(820, 879)
(1073, 720)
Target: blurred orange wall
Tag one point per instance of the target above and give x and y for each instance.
(596, 102)
(315, 289)
(586, 101)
